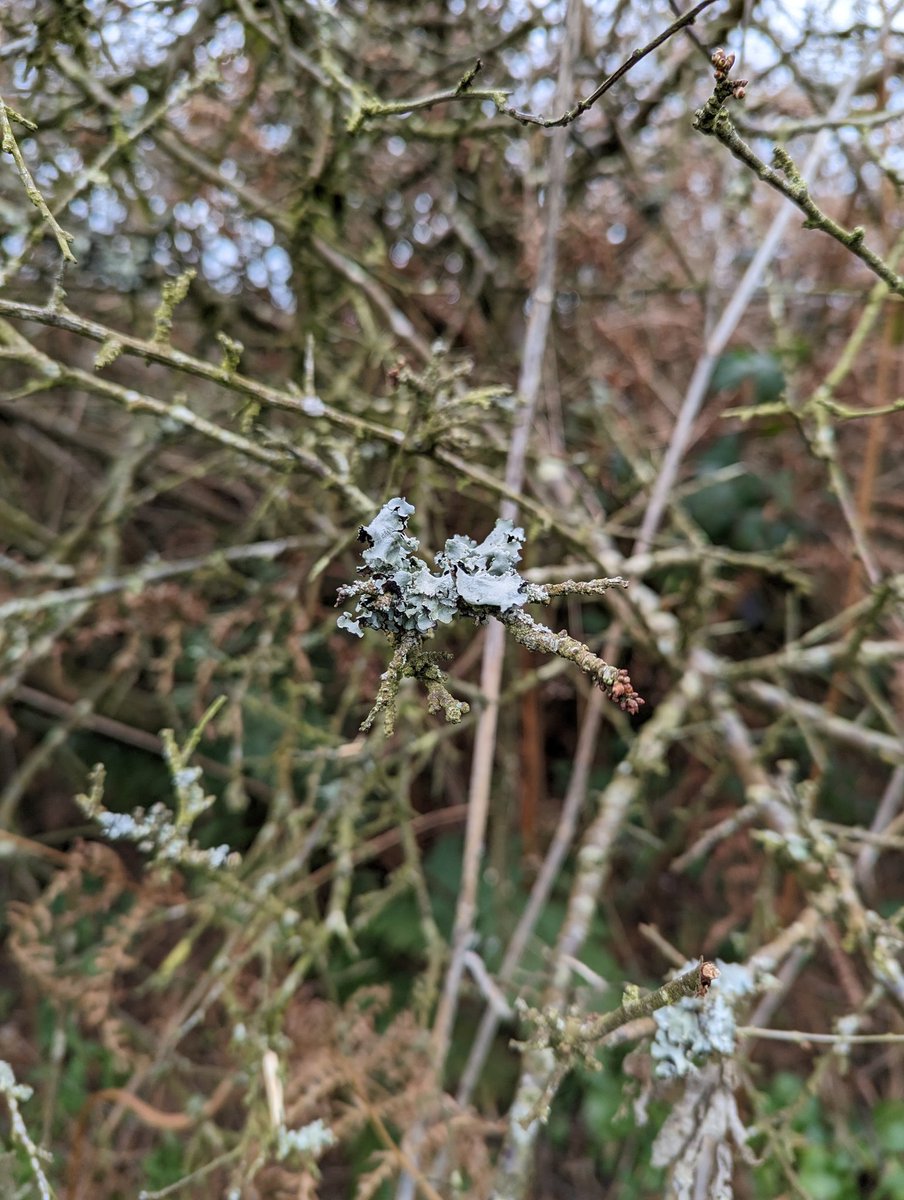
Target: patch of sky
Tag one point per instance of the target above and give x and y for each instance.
(45, 174)
(282, 297)
(13, 244)
(194, 214)
(219, 257)
(105, 211)
(162, 254)
(871, 176)
(400, 254)
(537, 46)
(835, 172)
(258, 274)
(68, 160)
(278, 265)
(519, 65)
(894, 157)
(553, 11)
(23, 76)
(139, 34)
(759, 51)
(229, 37)
(274, 137)
(517, 155)
(262, 231)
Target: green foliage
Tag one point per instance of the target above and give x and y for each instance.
(762, 370)
(888, 1122)
(165, 1164)
(828, 1150)
(730, 510)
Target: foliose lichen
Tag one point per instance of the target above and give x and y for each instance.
(401, 595)
(697, 1028)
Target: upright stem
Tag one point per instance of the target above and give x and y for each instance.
(530, 377)
(718, 339)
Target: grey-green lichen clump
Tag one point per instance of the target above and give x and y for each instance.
(699, 1027)
(402, 595)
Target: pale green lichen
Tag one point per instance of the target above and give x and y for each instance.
(174, 292)
(110, 350)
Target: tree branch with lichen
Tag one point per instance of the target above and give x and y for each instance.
(370, 108)
(10, 146)
(573, 1036)
(402, 598)
(560, 1042)
(713, 121)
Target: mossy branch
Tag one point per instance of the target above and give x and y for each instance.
(713, 121)
(368, 109)
(10, 146)
(573, 1037)
(174, 292)
(400, 597)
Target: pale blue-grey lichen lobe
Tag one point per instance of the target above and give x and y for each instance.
(696, 1028)
(402, 595)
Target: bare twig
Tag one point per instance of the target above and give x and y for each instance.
(572, 114)
(718, 339)
(10, 146)
(714, 121)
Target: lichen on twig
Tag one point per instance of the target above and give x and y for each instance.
(10, 146)
(399, 596)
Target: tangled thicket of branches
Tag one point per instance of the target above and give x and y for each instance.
(265, 266)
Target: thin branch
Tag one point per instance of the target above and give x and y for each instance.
(785, 177)
(790, 129)
(367, 110)
(9, 145)
(159, 352)
(717, 341)
(883, 746)
(541, 1072)
(820, 1039)
(28, 606)
(637, 56)
(529, 381)
(95, 172)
